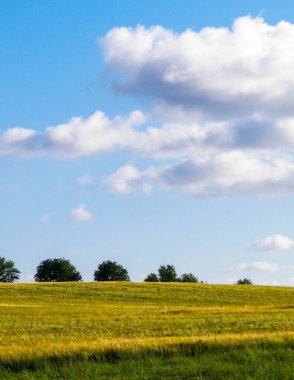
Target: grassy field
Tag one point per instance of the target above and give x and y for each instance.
(146, 331)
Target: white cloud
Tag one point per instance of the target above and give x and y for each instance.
(126, 180)
(173, 140)
(78, 137)
(224, 174)
(81, 213)
(16, 141)
(236, 83)
(245, 69)
(91, 136)
(231, 173)
(272, 243)
(258, 266)
(98, 133)
(16, 135)
(226, 123)
(86, 180)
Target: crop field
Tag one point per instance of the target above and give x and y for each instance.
(146, 331)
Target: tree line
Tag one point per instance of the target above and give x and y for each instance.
(61, 270)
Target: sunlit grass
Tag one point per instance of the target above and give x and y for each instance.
(98, 321)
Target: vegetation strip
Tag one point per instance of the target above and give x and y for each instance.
(110, 322)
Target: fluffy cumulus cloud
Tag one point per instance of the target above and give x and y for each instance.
(93, 135)
(221, 120)
(78, 137)
(128, 179)
(17, 141)
(224, 174)
(231, 89)
(81, 213)
(222, 71)
(273, 243)
(256, 266)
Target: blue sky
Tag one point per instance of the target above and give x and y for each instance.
(148, 133)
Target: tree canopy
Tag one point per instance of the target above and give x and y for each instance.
(188, 277)
(152, 277)
(244, 281)
(56, 270)
(167, 273)
(8, 271)
(111, 271)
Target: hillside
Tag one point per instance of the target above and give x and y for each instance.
(109, 322)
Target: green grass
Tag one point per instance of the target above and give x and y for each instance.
(261, 363)
(146, 331)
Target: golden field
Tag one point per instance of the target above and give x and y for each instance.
(95, 320)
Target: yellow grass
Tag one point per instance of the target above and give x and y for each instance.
(86, 319)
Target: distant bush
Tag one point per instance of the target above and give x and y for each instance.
(167, 273)
(152, 277)
(244, 281)
(188, 277)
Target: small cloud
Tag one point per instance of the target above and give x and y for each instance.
(81, 213)
(272, 243)
(15, 135)
(128, 179)
(85, 180)
(260, 266)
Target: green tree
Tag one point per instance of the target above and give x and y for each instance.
(167, 273)
(56, 270)
(111, 271)
(244, 281)
(8, 271)
(188, 277)
(152, 277)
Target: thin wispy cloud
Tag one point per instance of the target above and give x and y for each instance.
(255, 266)
(85, 180)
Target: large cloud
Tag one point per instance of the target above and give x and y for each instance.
(78, 137)
(228, 122)
(229, 173)
(234, 86)
(98, 133)
(215, 71)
